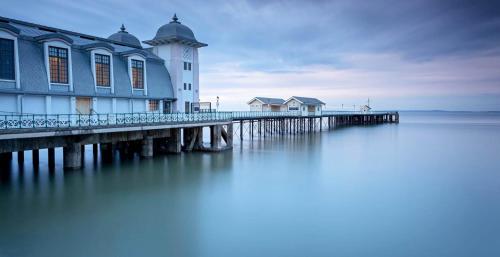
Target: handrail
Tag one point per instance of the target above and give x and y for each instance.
(23, 121)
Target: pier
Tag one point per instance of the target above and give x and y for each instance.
(149, 134)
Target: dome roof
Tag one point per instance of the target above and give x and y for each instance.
(124, 37)
(174, 31)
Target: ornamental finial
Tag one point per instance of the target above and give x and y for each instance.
(122, 28)
(175, 19)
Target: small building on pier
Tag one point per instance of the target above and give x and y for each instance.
(47, 70)
(266, 104)
(306, 105)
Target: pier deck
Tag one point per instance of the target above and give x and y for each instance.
(150, 133)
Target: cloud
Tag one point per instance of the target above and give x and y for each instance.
(376, 76)
(340, 48)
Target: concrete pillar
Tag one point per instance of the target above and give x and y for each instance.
(241, 130)
(147, 147)
(72, 156)
(94, 151)
(229, 140)
(174, 141)
(20, 157)
(36, 156)
(82, 152)
(6, 157)
(199, 140)
(51, 155)
(215, 137)
(107, 151)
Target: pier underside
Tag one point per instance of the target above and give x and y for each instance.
(147, 140)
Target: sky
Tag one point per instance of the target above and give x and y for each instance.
(404, 55)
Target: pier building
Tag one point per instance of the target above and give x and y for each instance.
(47, 70)
(305, 105)
(266, 104)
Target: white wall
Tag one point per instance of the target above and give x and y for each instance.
(34, 104)
(122, 106)
(138, 105)
(60, 105)
(174, 56)
(8, 104)
(104, 105)
(255, 106)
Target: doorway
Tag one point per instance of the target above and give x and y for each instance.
(83, 105)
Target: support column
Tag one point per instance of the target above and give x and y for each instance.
(215, 137)
(6, 157)
(36, 157)
(20, 157)
(94, 151)
(229, 137)
(72, 156)
(147, 147)
(241, 130)
(51, 156)
(174, 141)
(82, 152)
(107, 151)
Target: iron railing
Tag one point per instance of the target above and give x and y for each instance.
(24, 121)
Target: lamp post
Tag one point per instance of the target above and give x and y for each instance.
(217, 104)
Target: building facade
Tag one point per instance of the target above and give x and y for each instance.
(265, 104)
(305, 105)
(45, 70)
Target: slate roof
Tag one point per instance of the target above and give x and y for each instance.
(33, 74)
(124, 37)
(271, 101)
(307, 100)
(29, 30)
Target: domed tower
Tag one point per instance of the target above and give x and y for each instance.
(123, 36)
(175, 43)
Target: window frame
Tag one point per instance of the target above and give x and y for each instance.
(140, 78)
(157, 104)
(58, 67)
(59, 44)
(5, 34)
(105, 52)
(144, 70)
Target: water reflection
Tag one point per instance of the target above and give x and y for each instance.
(413, 189)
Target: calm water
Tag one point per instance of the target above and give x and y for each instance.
(429, 186)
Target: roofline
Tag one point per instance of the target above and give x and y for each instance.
(293, 97)
(257, 98)
(253, 99)
(57, 30)
(159, 41)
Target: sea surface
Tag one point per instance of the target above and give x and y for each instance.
(428, 186)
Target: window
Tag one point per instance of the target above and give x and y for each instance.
(7, 68)
(185, 86)
(167, 108)
(137, 74)
(154, 105)
(293, 108)
(102, 70)
(58, 61)
(189, 86)
(187, 66)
